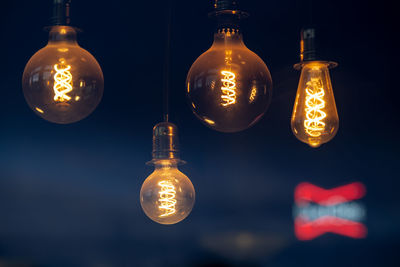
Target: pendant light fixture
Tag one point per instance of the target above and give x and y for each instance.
(62, 82)
(167, 195)
(314, 119)
(229, 87)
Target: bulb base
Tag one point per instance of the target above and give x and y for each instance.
(308, 49)
(227, 14)
(165, 143)
(225, 4)
(61, 12)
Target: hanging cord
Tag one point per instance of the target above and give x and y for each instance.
(310, 13)
(167, 64)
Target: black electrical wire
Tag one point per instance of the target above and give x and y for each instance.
(167, 63)
(310, 13)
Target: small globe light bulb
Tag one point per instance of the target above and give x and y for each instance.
(229, 87)
(314, 119)
(167, 195)
(62, 82)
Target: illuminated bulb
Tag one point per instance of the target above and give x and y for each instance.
(167, 196)
(229, 87)
(315, 120)
(62, 82)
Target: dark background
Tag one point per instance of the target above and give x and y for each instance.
(69, 194)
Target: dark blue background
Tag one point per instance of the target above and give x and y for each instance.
(69, 194)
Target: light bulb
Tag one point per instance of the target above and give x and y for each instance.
(167, 196)
(229, 87)
(315, 120)
(62, 82)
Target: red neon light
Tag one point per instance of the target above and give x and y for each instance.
(306, 230)
(306, 192)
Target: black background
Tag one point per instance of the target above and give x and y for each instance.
(69, 194)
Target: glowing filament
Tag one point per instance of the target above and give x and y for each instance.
(253, 94)
(62, 82)
(167, 198)
(39, 110)
(228, 88)
(314, 125)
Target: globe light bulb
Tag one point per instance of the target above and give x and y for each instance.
(62, 82)
(229, 87)
(314, 119)
(167, 195)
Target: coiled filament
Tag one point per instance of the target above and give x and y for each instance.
(314, 125)
(167, 198)
(62, 82)
(253, 94)
(228, 88)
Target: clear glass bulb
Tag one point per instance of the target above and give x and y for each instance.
(314, 119)
(62, 82)
(229, 87)
(167, 195)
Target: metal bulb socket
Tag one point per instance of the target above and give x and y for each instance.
(165, 143)
(61, 12)
(308, 49)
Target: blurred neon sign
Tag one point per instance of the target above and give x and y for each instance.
(318, 211)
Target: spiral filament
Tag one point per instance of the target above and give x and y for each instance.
(253, 94)
(167, 198)
(228, 88)
(314, 126)
(62, 82)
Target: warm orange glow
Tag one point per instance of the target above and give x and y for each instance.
(39, 110)
(253, 94)
(228, 88)
(167, 198)
(301, 50)
(211, 122)
(63, 49)
(62, 82)
(314, 119)
(314, 125)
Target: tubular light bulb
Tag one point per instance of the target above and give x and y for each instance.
(229, 87)
(315, 120)
(62, 82)
(167, 195)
